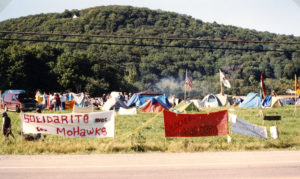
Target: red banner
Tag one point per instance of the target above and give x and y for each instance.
(195, 125)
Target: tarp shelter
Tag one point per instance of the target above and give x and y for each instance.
(287, 101)
(237, 101)
(271, 101)
(78, 98)
(185, 106)
(210, 101)
(69, 104)
(139, 99)
(130, 111)
(223, 99)
(154, 105)
(253, 100)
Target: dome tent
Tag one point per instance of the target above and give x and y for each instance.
(210, 101)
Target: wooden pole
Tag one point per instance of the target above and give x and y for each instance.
(296, 81)
(185, 86)
(221, 87)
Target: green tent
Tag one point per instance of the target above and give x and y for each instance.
(186, 106)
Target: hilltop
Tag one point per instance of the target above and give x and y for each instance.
(98, 68)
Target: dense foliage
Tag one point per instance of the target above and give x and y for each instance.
(101, 68)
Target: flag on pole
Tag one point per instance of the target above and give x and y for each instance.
(188, 81)
(224, 80)
(262, 85)
(297, 88)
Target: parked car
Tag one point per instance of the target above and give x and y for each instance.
(19, 102)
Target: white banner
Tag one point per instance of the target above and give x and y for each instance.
(245, 128)
(91, 125)
(274, 132)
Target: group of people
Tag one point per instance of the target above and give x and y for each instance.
(57, 101)
(54, 101)
(100, 101)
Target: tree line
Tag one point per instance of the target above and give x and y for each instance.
(142, 63)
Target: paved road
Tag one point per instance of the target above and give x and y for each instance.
(276, 164)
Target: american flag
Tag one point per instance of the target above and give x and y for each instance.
(188, 81)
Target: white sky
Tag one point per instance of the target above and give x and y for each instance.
(277, 16)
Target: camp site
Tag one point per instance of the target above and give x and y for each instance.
(91, 96)
(96, 79)
(145, 122)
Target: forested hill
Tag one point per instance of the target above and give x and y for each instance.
(103, 64)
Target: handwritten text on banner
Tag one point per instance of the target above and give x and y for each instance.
(90, 125)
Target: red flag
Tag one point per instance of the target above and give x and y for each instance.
(188, 81)
(195, 125)
(262, 85)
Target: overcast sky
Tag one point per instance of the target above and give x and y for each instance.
(277, 16)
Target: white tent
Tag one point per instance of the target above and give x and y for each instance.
(130, 111)
(113, 101)
(223, 99)
(210, 101)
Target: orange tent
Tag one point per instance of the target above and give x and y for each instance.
(153, 105)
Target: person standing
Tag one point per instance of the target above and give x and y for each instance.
(57, 102)
(62, 97)
(6, 126)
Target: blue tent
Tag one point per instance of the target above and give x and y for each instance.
(139, 99)
(155, 100)
(267, 101)
(287, 101)
(253, 100)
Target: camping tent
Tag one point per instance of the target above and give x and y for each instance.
(130, 111)
(237, 101)
(196, 102)
(153, 105)
(185, 106)
(271, 101)
(113, 102)
(287, 101)
(253, 100)
(139, 99)
(210, 101)
(223, 99)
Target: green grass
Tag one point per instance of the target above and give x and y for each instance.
(151, 137)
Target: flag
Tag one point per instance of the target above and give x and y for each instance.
(297, 89)
(262, 85)
(224, 80)
(188, 81)
(196, 125)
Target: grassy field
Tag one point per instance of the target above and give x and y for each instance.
(151, 138)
